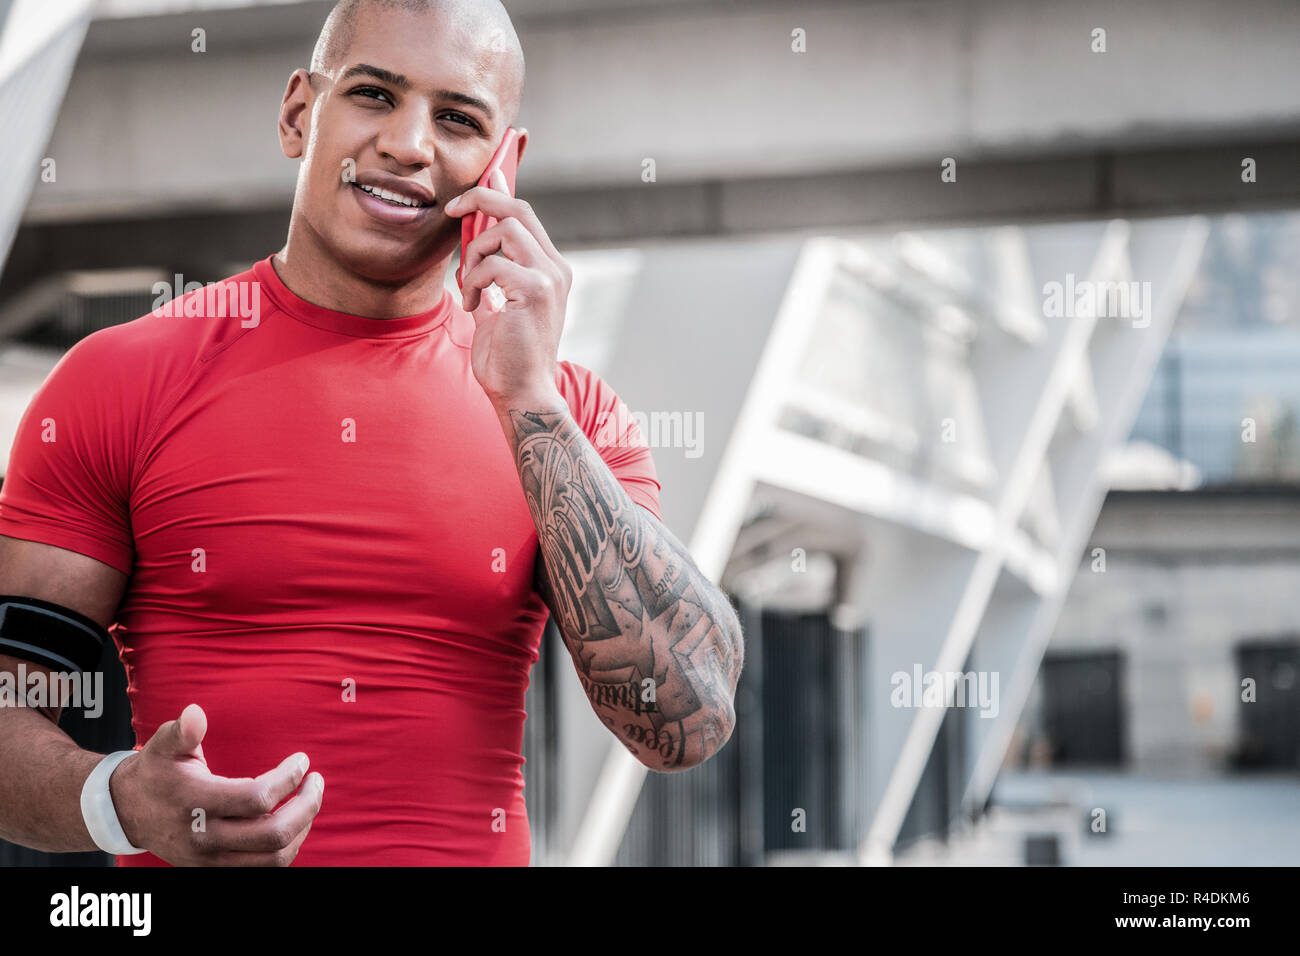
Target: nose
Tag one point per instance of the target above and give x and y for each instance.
(407, 136)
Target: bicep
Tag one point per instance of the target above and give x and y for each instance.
(33, 570)
(75, 581)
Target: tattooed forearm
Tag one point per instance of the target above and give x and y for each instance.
(637, 698)
(657, 646)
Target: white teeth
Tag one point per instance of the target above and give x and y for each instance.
(390, 196)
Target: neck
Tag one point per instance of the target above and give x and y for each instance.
(315, 275)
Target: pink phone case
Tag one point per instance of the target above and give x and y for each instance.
(506, 159)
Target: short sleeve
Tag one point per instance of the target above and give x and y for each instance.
(613, 431)
(68, 479)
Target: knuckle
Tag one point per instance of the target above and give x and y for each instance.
(202, 842)
(280, 835)
(263, 800)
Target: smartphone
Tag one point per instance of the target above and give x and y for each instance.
(506, 159)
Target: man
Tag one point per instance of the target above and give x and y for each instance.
(331, 531)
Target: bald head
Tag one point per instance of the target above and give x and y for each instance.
(484, 23)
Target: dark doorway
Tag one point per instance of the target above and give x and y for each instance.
(1269, 726)
(814, 745)
(1083, 713)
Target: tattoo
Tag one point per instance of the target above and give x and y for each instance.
(654, 641)
(661, 742)
(627, 696)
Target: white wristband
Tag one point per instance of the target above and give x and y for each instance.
(98, 811)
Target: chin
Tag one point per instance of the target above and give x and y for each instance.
(372, 258)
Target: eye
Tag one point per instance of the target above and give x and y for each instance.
(467, 120)
(372, 93)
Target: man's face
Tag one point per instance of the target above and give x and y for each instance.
(414, 107)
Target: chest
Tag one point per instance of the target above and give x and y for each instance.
(371, 482)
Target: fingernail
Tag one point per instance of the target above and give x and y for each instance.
(452, 203)
(303, 764)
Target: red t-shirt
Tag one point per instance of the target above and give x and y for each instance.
(329, 551)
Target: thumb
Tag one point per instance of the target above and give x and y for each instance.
(183, 737)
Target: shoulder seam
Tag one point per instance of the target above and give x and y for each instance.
(174, 396)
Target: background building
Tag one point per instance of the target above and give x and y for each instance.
(898, 437)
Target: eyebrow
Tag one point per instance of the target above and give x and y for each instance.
(402, 83)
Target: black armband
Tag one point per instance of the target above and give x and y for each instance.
(50, 635)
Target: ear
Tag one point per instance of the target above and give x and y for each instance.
(523, 141)
(295, 114)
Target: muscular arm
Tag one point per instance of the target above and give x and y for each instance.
(657, 646)
(41, 769)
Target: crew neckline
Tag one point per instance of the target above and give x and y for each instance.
(345, 323)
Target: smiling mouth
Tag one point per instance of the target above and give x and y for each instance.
(392, 198)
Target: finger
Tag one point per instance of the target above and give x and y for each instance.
(283, 857)
(517, 283)
(193, 723)
(501, 205)
(251, 796)
(272, 832)
(183, 736)
(508, 237)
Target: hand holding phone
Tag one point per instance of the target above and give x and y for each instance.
(506, 159)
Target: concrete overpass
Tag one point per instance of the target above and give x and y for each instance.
(746, 135)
